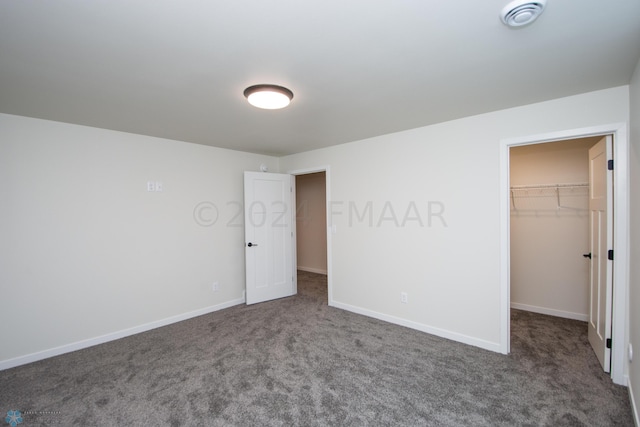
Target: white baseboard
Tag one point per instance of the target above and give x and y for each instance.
(313, 270)
(454, 336)
(550, 311)
(79, 345)
(634, 407)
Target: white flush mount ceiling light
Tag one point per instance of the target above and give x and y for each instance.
(522, 12)
(269, 97)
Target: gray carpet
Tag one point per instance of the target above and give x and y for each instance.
(296, 361)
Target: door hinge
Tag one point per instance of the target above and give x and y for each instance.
(610, 255)
(610, 165)
(608, 342)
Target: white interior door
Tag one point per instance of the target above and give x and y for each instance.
(601, 240)
(268, 236)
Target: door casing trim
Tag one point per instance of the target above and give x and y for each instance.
(620, 236)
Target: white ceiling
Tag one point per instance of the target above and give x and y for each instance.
(358, 68)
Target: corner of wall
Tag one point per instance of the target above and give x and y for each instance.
(633, 319)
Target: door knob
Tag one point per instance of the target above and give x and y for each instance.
(584, 255)
(252, 244)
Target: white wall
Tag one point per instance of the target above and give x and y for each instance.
(434, 231)
(634, 280)
(548, 272)
(87, 252)
(311, 222)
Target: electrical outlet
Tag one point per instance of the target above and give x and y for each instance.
(404, 298)
(215, 287)
(151, 186)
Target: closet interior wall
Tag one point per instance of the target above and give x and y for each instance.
(311, 222)
(550, 227)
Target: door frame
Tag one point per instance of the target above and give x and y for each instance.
(327, 174)
(620, 235)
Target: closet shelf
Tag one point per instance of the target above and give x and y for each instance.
(557, 191)
(549, 186)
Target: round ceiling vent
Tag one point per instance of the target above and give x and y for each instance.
(522, 12)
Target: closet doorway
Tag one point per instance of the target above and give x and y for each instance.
(619, 243)
(311, 222)
(312, 231)
(550, 228)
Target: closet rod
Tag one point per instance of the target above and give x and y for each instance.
(552, 186)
